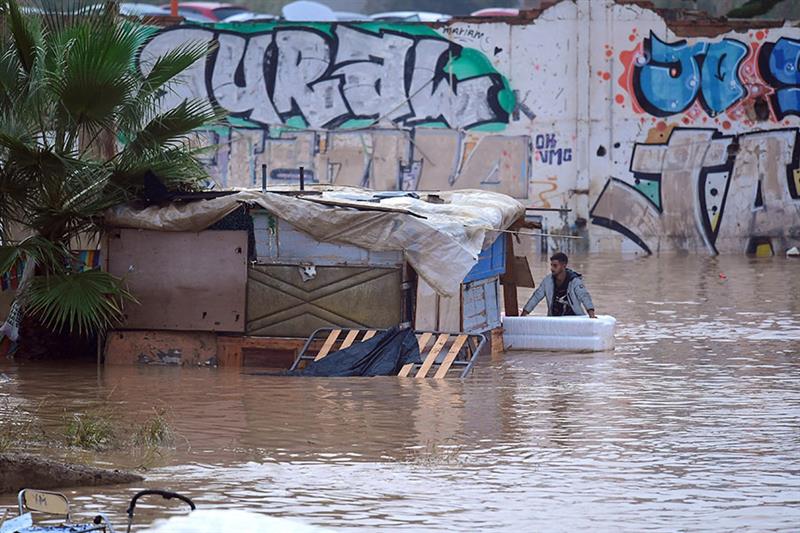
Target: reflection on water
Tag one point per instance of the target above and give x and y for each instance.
(693, 423)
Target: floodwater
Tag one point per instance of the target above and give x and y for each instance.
(692, 424)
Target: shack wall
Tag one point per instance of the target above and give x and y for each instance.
(183, 281)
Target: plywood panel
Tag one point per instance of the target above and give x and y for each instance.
(481, 305)
(183, 281)
(281, 303)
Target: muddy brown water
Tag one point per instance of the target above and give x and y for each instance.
(693, 423)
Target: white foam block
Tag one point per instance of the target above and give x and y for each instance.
(569, 333)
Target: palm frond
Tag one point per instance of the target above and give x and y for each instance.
(23, 32)
(161, 77)
(9, 76)
(98, 76)
(170, 128)
(38, 249)
(26, 156)
(15, 196)
(77, 302)
(170, 65)
(178, 167)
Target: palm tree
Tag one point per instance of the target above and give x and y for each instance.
(80, 127)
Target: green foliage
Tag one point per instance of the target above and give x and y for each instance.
(35, 248)
(155, 431)
(69, 90)
(90, 431)
(102, 427)
(79, 302)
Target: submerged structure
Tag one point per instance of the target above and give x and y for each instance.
(244, 278)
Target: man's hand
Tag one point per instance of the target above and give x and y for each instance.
(591, 313)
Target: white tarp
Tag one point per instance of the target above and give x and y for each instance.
(442, 247)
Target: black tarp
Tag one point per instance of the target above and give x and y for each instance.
(382, 355)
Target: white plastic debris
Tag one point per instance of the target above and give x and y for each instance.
(18, 523)
(230, 521)
(794, 251)
(561, 334)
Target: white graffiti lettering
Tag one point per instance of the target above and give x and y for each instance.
(325, 79)
(729, 192)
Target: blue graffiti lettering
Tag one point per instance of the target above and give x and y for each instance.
(720, 87)
(548, 152)
(780, 64)
(670, 76)
(545, 141)
(668, 82)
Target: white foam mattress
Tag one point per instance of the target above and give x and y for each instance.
(563, 334)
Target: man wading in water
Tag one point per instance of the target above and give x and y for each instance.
(563, 287)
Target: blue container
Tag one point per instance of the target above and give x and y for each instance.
(491, 261)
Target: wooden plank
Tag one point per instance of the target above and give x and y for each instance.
(349, 339)
(522, 273)
(329, 342)
(406, 370)
(507, 280)
(424, 339)
(432, 355)
(368, 335)
(450, 357)
(423, 343)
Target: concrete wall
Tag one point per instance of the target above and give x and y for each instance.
(660, 142)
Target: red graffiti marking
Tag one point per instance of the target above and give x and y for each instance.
(760, 35)
(626, 79)
(619, 99)
(726, 125)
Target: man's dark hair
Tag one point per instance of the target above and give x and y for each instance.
(561, 257)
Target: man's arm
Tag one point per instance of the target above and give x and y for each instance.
(585, 298)
(536, 297)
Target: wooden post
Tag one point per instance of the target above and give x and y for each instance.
(507, 280)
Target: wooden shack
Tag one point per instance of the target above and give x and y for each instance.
(252, 287)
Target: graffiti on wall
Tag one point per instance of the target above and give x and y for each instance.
(549, 152)
(374, 105)
(387, 159)
(331, 76)
(702, 188)
(669, 78)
